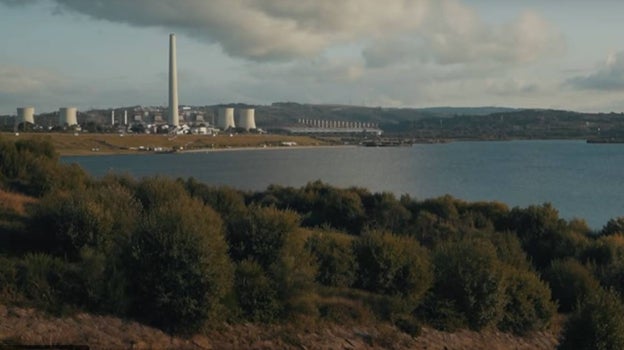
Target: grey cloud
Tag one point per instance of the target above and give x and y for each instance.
(260, 30)
(455, 34)
(608, 76)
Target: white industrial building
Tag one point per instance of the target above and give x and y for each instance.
(25, 115)
(225, 118)
(68, 116)
(246, 119)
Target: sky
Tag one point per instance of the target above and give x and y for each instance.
(392, 53)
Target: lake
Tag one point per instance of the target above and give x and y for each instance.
(581, 180)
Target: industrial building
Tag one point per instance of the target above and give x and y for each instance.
(225, 119)
(246, 119)
(25, 115)
(68, 116)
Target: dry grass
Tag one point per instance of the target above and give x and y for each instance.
(27, 326)
(83, 143)
(14, 203)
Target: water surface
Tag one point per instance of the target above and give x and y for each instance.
(581, 180)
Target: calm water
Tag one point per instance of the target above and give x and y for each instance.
(579, 179)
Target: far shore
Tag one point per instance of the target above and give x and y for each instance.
(258, 148)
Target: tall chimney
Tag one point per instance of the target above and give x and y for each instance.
(173, 83)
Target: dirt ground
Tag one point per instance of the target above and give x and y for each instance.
(31, 327)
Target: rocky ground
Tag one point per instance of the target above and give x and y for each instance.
(31, 327)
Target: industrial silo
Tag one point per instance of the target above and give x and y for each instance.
(68, 116)
(26, 115)
(226, 118)
(246, 118)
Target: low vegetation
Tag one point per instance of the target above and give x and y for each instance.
(89, 144)
(183, 256)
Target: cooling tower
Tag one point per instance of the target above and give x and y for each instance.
(226, 118)
(68, 116)
(26, 115)
(174, 119)
(246, 118)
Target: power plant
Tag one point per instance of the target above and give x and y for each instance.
(153, 118)
(246, 119)
(68, 116)
(25, 115)
(174, 118)
(225, 119)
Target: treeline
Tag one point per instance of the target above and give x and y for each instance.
(182, 255)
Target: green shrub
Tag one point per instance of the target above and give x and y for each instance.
(544, 236)
(469, 279)
(336, 263)
(261, 234)
(570, 283)
(294, 273)
(101, 218)
(39, 279)
(256, 293)
(528, 305)
(178, 265)
(392, 265)
(598, 324)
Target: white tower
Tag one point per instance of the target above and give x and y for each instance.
(226, 118)
(67, 116)
(125, 117)
(246, 118)
(113, 117)
(26, 115)
(173, 83)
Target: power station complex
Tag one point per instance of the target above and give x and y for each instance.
(185, 120)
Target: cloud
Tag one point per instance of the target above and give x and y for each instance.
(607, 76)
(455, 34)
(445, 31)
(260, 30)
(18, 80)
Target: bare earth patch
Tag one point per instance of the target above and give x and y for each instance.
(31, 327)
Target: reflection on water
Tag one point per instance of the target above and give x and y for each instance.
(581, 180)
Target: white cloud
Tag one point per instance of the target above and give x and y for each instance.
(607, 76)
(446, 31)
(455, 34)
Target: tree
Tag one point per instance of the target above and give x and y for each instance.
(335, 259)
(392, 265)
(261, 234)
(528, 306)
(469, 279)
(179, 264)
(570, 283)
(598, 324)
(613, 226)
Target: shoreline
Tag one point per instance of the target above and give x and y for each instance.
(201, 150)
(259, 148)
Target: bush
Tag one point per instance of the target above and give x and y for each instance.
(293, 273)
(260, 234)
(255, 292)
(544, 236)
(101, 218)
(179, 269)
(598, 324)
(469, 281)
(570, 283)
(39, 278)
(335, 260)
(392, 265)
(528, 305)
